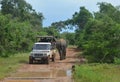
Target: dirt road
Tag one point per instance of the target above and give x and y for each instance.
(58, 71)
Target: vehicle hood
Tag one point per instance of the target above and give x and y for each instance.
(40, 51)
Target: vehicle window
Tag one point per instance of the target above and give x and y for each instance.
(41, 46)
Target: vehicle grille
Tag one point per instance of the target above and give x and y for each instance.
(38, 55)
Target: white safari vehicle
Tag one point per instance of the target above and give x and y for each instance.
(42, 52)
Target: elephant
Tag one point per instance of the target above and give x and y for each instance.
(61, 46)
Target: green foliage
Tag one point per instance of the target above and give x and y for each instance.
(96, 73)
(110, 10)
(22, 10)
(51, 31)
(15, 36)
(19, 26)
(16, 8)
(59, 25)
(117, 60)
(70, 37)
(82, 17)
(100, 38)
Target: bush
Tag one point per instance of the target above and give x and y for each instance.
(117, 60)
(101, 40)
(96, 72)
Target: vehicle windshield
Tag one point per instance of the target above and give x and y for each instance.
(41, 47)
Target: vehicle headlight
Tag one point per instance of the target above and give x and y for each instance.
(32, 54)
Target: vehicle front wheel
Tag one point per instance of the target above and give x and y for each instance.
(30, 60)
(48, 60)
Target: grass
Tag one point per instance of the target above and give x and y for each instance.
(12, 63)
(97, 73)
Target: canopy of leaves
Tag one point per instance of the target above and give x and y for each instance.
(70, 37)
(100, 38)
(19, 26)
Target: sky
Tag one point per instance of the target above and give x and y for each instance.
(60, 10)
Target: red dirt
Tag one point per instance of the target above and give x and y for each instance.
(58, 71)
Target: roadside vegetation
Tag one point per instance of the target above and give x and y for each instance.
(11, 64)
(97, 73)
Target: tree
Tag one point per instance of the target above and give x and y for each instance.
(19, 26)
(15, 36)
(22, 10)
(99, 37)
(82, 17)
(70, 37)
(110, 10)
(101, 40)
(59, 25)
(52, 31)
(16, 8)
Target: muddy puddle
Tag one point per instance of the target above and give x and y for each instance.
(42, 74)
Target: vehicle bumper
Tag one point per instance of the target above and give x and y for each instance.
(38, 58)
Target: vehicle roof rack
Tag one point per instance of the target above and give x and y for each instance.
(46, 39)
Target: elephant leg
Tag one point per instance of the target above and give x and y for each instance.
(60, 54)
(64, 54)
